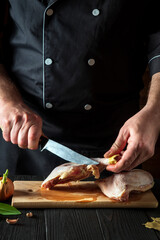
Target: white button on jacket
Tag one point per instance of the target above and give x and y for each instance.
(48, 61)
(91, 62)
(95, 12)
(49, 105)
(87, 107)
(49, 12)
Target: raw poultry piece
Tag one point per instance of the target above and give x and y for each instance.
(71, 172)
(120, 185)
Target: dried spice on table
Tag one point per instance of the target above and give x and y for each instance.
(155, 224)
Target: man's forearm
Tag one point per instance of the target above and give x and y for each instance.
(8, 91)
(153, 102)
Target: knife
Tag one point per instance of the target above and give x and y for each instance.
(64, 152)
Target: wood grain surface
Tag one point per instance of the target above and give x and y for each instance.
(83, 223)
(28, 194)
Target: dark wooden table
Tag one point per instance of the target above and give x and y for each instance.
(82, 224)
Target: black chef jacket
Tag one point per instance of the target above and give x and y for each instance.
(79, 64)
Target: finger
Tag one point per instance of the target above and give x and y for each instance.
(127, 159)
(6, 129)
(28, 136)
(17, 126)
(140, 159)
(118, 145)
(34, 135)
(23, 137)
(133, 165)
(146, 151)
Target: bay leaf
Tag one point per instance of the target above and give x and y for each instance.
(6, 209)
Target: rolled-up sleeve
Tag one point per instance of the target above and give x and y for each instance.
(3, 23)
(154, 53)
(154, 40)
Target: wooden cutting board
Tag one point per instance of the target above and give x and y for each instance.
(28, 194)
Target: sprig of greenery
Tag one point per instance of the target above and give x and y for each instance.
(5, 175)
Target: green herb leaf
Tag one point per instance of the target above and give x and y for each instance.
(6, 209)
(5, 175)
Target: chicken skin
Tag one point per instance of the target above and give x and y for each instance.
(120, 185)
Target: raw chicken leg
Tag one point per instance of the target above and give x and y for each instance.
(118, 186)
(71, 172)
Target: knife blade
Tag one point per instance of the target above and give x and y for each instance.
(64, 152)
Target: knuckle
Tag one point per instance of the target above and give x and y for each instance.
(38, 120)
(6, 124)
(33, 136)
(115, 146)
(17, 118)
(124, 132)
(141, 145)
(26, 117)
(33, 118)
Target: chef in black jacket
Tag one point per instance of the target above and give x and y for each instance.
(73, 71)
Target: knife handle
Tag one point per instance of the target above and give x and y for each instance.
(42, 142)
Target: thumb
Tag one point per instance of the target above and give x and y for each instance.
(117, 146)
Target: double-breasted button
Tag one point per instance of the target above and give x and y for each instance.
(87, 107)
(49, 12)
(95, 12)
(91, 62)
(49, 105)
(48, 61)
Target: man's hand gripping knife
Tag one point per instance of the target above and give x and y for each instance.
(20, 125)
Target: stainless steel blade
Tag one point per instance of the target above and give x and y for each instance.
(67, 154)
